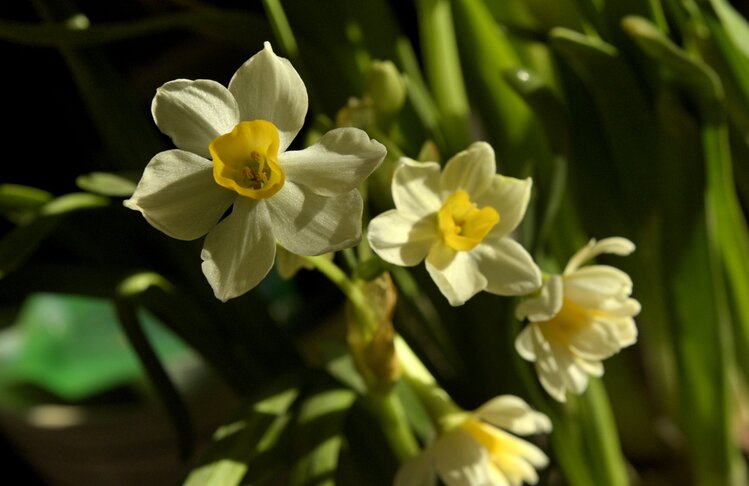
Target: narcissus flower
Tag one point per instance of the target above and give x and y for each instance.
(231, 152)
(479, 450)
(460, 220)
(579, 319)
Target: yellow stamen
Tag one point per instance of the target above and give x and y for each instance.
(246, 160)
(570, 319)
(462, 224)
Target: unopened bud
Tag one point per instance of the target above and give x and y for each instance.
(385, 86)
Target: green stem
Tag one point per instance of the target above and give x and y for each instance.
(365, 314)
(395, 424)
(602, 436)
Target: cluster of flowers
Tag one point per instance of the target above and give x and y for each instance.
(232, 152)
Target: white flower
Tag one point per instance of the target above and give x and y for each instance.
(231, 152)
(579, 319)
(479, 451)
(459, 220)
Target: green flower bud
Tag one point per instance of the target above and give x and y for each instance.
(385, 86)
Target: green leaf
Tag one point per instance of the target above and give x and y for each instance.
(318, 434)
(106, 184)
(486, 51)
(250, 449)
(442, 64)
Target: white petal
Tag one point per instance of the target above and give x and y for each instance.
(288, 264)
(306, 223)
(417, 471)
(460, 460)
(518, 459)
(512, 413)
(455, 273)
(239, 252)
(524, 343)
(594, 341)
(399, 240)
(544, 306)
(416, 187)
(471, 170)
(547, 368)
(508, 268)
(193, 113)
(178, 195)
(575, 379)
(267, 87)
(593, 368)
(615, 245)
(509, 196)
(336, 164)
(594, 285)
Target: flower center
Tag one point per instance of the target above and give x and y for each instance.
(570, 319)
(462, 224)
(246, 159)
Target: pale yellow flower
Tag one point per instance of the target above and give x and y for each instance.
(460, 220)
(481, 451)
(579, 319)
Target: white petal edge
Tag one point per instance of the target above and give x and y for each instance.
(194, 113)
(545, 305)
(507, 266)
(306, 223)
(514, 414)
(615, 245)
(178, 195)
(417, 471)
(415, 187)
(239, 252)
(399, 240)
(336, 164)
(471, 170)
(460, 460)
(510, 197)
(455, 273)
(267, 87)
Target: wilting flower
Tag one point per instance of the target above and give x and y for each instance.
(480, 452)
(459, 220)
(579, 319)
(231, 152)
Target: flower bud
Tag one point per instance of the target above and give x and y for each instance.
(385, 86)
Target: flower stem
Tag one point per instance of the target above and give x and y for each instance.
(387, 406)
(598, 422)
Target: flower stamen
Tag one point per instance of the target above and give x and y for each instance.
(462, 224)
(246, 159)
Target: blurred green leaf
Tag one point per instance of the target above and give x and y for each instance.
(250, 449)
(17, 200)
(73, 347)
(64, 34)
(318, 434)
(442, 65)
(735, 25)
(106, 184)
(21, 242)
(486, 52)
